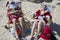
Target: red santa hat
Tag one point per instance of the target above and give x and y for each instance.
(38, 12)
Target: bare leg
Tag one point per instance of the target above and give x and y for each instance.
(15, 27)
(38, 30)
(39, 27)
(33, 27)
(21, 24)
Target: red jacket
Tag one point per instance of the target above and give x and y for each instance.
(47, 13)
(38, 13)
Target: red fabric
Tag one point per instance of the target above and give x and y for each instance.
(19, 31)
(38, 13)
(14, 16)
(47, 13)
(8, 11)
(7, 3)
(47, 33)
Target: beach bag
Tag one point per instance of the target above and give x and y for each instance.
(53, 37)
(46, 35)
(12, 31)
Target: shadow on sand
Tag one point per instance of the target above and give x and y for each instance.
(26, 27)
(41, 1)
(55, 27)
(58, 3)
(48, 1)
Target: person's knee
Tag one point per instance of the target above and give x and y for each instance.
(14, 20)
(35, 22)
(20, 19)
(39, 23)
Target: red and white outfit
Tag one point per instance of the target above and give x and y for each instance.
(15, 15)
(12, 16)
(46, 35)
(41, 17)
(47, 30)
(47, 14)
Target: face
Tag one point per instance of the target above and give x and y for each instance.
(45, 8)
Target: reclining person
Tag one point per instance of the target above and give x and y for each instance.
(15, 14)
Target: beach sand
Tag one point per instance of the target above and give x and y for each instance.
(28, 8)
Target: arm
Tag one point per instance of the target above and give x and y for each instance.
(34, 16)
(46, 11)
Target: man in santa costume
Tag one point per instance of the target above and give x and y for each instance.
(41, 18)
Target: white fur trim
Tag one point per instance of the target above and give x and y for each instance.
(48, 17)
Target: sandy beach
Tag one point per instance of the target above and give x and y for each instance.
(28, 8)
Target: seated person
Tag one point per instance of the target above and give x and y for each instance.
(42, 20)
(39, 24)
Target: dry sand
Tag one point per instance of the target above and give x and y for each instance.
(28, 8)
